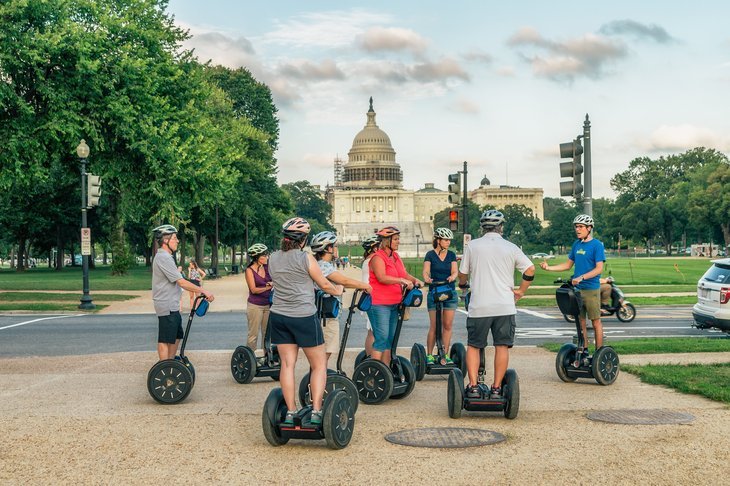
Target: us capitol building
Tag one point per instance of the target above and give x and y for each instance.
(368, 194)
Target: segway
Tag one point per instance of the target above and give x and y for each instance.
(245, 366)
(337, 379)
(171, 380)
(508, 403)
(571, 363)
(337, 427)
(375, 381)
(441, 292)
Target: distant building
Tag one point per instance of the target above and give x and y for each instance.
(501, 196)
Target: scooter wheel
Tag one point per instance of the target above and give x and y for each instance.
(455, 396)
(410, 375)
(169, 381)
(373, 380)
(562, 361)
(339, 420)
(273, 414)
(458, 356)
(335, 381)
(511, 392)
(243, 364)
(418, 360)
(360, 357)
(605, 366)
(627, 313)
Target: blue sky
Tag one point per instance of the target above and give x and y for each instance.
(498, 85)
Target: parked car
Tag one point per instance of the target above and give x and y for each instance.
(541, 256)
(713, 296)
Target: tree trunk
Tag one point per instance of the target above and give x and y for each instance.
(104, 256)
(21, 255)
(60, 245)
(199, 248)
(726, 236)
(181, 248)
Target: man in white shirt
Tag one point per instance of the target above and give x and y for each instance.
(489, 262)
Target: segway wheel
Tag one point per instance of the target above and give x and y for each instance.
(373, 380)
(169, 381)
(339, 420)
(273, 414)
(190, 366)
(511, 393)
(562, 361)
(410, 375)
(605, 366)
(455, 397)
(360, 357)
(418, 360)
(335, 381)
(627, 313)
(458, 356)
(243, 365)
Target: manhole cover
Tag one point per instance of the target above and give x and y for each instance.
(447, 437)
(641, 417)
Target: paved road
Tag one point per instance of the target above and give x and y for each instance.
(48, 335)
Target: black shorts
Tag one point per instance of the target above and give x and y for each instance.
(170, 328)
(196, 282)
(305, 332)
(502, 328)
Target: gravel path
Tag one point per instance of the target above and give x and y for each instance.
(89, 419)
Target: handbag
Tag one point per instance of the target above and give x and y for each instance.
(202, 308)
(328, 306)
(413, 298)
(365, 302)
(441, 293)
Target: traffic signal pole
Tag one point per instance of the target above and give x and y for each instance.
(463, 202)
(587, 178)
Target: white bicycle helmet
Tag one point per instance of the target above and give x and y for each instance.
(583, 219)
(370, 242)
(443, 234)
(491, 218)
(322, 240)
(164, 230)
(256, 250)
(296, 229)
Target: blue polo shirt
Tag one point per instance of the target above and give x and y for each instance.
(585, 256)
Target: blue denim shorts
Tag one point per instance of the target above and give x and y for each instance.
(383, 320)
(450, 304)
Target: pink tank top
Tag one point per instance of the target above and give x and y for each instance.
(387, 294)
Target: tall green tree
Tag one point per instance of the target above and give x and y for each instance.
(309, 204)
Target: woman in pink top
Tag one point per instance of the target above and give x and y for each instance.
(388, 276)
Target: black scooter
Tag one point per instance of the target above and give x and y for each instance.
(441, 292)
(337, 427)
(508, 403)
(337, 379)
(171, 380)
(375, 381)
(624, 310)
(245, 365)
(571, 363)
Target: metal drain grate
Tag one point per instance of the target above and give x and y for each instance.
(641, 417)
(445, 437)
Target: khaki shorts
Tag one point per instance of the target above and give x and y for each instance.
(591, 304)
(332, 336)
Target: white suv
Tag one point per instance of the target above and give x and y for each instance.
(713, 297)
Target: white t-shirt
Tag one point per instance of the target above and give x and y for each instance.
(490, 262)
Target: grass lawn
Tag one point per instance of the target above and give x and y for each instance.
(52, 297)
(709, 380)
(637, 301)
(70, 278)
(627, 289)
(45, 307)
(662, 345)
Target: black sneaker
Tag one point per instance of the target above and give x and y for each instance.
(495, 392)
(473, 392)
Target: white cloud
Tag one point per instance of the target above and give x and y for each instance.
(466, 106)
(587, 56)
(506, 71)
(439, 70)
(307, 70)
(684, 137)
(392, 39)
(478, 55)
(638, 30)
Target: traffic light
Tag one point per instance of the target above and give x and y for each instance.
(455, 188)
(93, 190)
(572, 169)
(453, 219)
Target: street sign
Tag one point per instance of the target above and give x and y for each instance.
(86, 241)
(467, 239)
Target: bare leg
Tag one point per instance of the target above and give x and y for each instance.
(448, 323)
(318, 375)
(472, 364)
(369, 340)
(288, 354)
(501, 361)
(598, 330)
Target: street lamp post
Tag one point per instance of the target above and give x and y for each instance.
(418, 240)
(83, 152)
